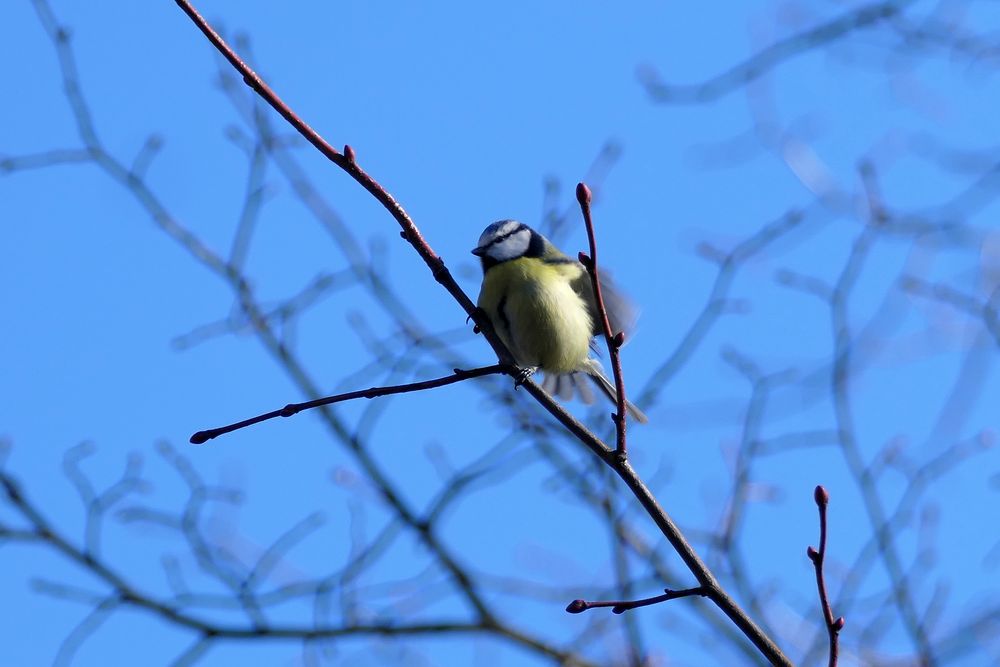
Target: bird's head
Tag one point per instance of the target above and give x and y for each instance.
(505, 240)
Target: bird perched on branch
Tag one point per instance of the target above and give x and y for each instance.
(542, 305)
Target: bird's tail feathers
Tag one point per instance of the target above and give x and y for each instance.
(564, 386)
(567, 385)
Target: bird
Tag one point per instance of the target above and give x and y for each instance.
(542, 305)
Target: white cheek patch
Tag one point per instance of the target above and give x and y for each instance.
(512, 247)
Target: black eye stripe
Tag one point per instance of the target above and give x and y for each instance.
(507, 235)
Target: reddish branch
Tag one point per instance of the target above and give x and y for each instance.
(347, 162)
(614, 339)
(833, 626)
(621, 606)
(459, 375)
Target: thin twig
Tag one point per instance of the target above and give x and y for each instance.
(621, 606)
(612, 338)
(459, 375)
(410, 233)
(833, 626)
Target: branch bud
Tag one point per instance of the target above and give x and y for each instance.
(349, 154)
(582, 193)
(619, 339)
(576, 606)
(585, 260)
(821, 496)
(813, 554)
(838, 625)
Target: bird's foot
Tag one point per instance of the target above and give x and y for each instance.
(523, 374)
(476, 316)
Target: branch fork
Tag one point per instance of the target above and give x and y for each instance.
(615, 459)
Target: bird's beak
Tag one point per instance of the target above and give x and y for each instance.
(479, 252)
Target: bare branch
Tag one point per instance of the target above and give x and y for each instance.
(291, 409)
(833, 626)
(410, 233)
(42, 160)
(614, 339)
(621, 606)
(348, 162)
(125, 594)
(767, 59)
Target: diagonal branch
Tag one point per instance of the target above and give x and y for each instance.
(410, 233)
(770, 57)
(348, 163)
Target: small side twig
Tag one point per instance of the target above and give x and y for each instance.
(621, 606)
(459, 375)
(613, 339)
(833, 626)
(347, 161)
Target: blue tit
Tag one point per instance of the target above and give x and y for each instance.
(542, 305)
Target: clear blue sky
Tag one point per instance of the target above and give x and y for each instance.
(464, 113)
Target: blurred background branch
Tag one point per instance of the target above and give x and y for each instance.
(814, 244)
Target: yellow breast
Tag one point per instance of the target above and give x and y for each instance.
(537, 313)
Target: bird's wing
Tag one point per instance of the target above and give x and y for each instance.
(622, 313)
